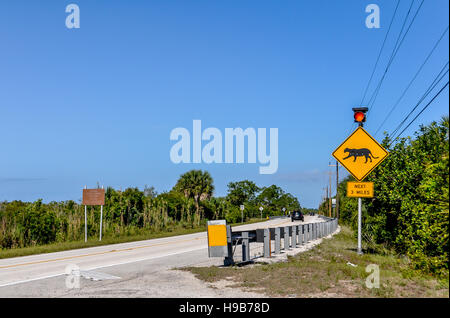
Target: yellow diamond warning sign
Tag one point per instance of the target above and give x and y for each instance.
(360, 154)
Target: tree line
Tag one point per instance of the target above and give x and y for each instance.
(410, 210)
(189, 204)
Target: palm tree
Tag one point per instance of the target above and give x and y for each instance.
(195, 184)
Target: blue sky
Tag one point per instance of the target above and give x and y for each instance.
(97, 104)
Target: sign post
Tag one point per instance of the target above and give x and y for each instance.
(242, 213)
(359, 250)
(261, 209)
(93, 197)
(101, 220)
(360, 154)
(85, 221)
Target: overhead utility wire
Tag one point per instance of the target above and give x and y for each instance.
(436, 81)
(394, 52)
(377, 61)
(379, 54)
(423, 109)
(413, 79)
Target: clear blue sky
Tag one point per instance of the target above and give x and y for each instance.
(97, 104)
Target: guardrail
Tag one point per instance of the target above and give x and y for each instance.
(293, 236)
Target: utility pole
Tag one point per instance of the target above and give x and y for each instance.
(330, 203)
(324, 198)
(336, 209)
(337, 190)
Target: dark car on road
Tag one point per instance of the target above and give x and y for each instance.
(297, 215)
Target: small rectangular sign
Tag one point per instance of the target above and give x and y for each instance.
(217, 238)
(360, 189)
(93, 197)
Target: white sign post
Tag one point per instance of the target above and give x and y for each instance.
(261, 209)
(85, 221)
(242, 213)
(101, 219)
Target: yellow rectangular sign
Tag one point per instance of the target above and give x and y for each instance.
(360, 189)
(217, 235)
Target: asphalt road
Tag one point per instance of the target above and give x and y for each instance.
(146, 264)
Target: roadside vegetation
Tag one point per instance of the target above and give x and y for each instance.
(130, 215)
(330, 269)
(64, 246)
(410, 210)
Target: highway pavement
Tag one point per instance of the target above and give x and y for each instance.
(134, 269)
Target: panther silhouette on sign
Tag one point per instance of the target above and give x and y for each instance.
(359, 153)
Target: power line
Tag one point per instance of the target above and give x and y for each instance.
(413, 79)
(423, 109)
(391, 58)
(397, 46)
(436, 81)
(379, 54)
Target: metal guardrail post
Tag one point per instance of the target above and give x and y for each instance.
(266, 243)
(245, 247)
(277, 240)
(300, 234)
(308, 235)
(314, 232)
(304, 229)
(286, 238)
(293, 237)
(229, 259)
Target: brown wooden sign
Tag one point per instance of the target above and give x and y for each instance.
(93, 197)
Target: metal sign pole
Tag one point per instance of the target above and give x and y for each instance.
(101, 220)
(85, 221)
(359, 251)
